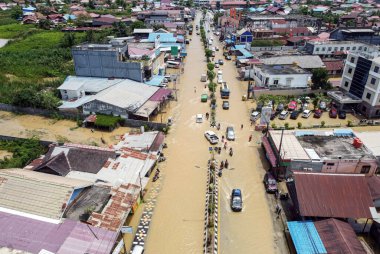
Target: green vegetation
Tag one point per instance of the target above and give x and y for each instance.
(6, 18)
(24, 151)
(320, 79)
(15, 30)
(107, 121)
(267, 43)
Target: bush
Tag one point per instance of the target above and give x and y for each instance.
(323, 123)
(106, 121)
(299, 125)
(274, 126)
(349, 123)
(212, 86)
(286, 125)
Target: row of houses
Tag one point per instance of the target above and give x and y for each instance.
(76, 198)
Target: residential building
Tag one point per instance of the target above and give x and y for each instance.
(281, 76)
(244, 36)
(306, 62)
(330, 48)
(318, 151)
(201, 2)
(361, 78)
(334, 67)
(366, 35)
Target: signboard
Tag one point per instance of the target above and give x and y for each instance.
(126, 230)
(174, 50)
(266, 112)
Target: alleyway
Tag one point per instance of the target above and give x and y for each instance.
(177, 225)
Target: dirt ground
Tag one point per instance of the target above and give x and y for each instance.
(5, 154)
(27, 126)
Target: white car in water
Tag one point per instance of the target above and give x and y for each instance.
(211, 137)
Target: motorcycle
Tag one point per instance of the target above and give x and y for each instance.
(226, 164)
(156, 175)
(231, 152)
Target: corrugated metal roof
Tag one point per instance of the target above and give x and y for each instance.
(155, 81)
(127, 94)
(308, 62)
(291, 148)
(338, 237)
(332, 195)
(88, 84)
(31, 235)
(374, 186)
(163, 37)
(305, 237)
(36, 193)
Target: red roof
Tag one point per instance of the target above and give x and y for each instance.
(374, 186)
(291, 30)
(338, 237)
(334, 65)
(331, 195)
(269, 152)
(279, 21)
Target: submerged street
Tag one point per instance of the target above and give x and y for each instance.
(178, 220)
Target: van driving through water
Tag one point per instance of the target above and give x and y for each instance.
(224, 91)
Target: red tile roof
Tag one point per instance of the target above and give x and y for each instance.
(334, 65)
(332, 195)
(338, 237)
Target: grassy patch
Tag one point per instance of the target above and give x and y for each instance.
(105, 121)
(24, 151)
(14, 30)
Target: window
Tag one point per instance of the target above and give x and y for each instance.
(376, 69)
(360, 48)
(317, 49)
(336, 49)
(365, 48)
(275, 82)
(341, 48)
(329, 49)
(349, 71)
(365, 169)
(330, 164)
(348, 48)
(378, 112)
(352, 60)
(373, 81)
(323, 49)
(368, 96)
(353, 48)
(346, 84)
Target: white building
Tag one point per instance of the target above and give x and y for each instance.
(361, 78)
(201, 2)
(281, 76)
(328, 48)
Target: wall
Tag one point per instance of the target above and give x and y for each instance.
(349, 166)
(284, 92)
(104, 108)
(295, 80)
(105, 64)
(70, 94)
(275, 48)
(11, 138)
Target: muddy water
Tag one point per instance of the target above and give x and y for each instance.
(27, 126)
(177, 225)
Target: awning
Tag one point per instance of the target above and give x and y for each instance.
(147, 108)
(155, 81)
(269, 152)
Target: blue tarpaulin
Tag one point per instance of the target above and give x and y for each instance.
(306, 238)
(155, 81)
(343, 132)
(162, 37)
(246, 54)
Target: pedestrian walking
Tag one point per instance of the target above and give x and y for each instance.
(250, 138)
(225, 145)
(195, 89)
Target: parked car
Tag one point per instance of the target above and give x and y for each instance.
(216, 65)
(306, 113)
(260, 105)
(270, 183)
(236, 200)
(228, 57)
(230, 133)
(283, 115)
(317, 113)
(292, 105)
(305, 106)
(216, 48)
(294, 115)
(333, 113)
(342, 114)
(211, 137)
(226, 105)
(199, 118)
(322, 105)
(255, 115)
(280, 107)
(220, 61)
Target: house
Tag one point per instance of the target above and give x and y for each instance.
(345, 196)
(281, 76)
(318, 151)
(324, 236)
(22, 234)
(331, 48)
(292, 32)
(360, 80)
(37, 195)
(244, 36)
(366, 35)
(104, 21)
(142, 33)
(151, 141)
(334, 67)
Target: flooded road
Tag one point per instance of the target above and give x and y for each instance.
(177, 225)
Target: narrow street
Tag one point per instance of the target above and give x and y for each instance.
(177, 225)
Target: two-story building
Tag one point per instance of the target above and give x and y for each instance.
(331, 48)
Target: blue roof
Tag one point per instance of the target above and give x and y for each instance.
(155, 81)
(246, 53)
(252, 9)
(29, 8)
(303, 133)
(306, 238)
(260, 9)
(68, 16)
(164, 37)
(343, 132)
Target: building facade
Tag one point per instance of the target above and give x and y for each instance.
(361, 78)
(328, 48)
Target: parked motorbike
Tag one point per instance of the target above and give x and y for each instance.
(156, 175)
(165, 145)
(231, 152)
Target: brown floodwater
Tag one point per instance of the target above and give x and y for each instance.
(177, 225)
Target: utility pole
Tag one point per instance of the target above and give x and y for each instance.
(279, 152)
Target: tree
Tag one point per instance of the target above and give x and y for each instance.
(16, 12)
(121, 29)
(45, 24)
(91, 4)
(210, 66)
(137, 24)
(89, 37)
(320, 79)
(208, 54)
(81, 20)
(189, 3)
(68, 40)
(158, 26)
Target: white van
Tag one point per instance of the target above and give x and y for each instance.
(203, 77)
(306, 113)
(138, 249)
(199, 118)
(220, 79)
(283, 115)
